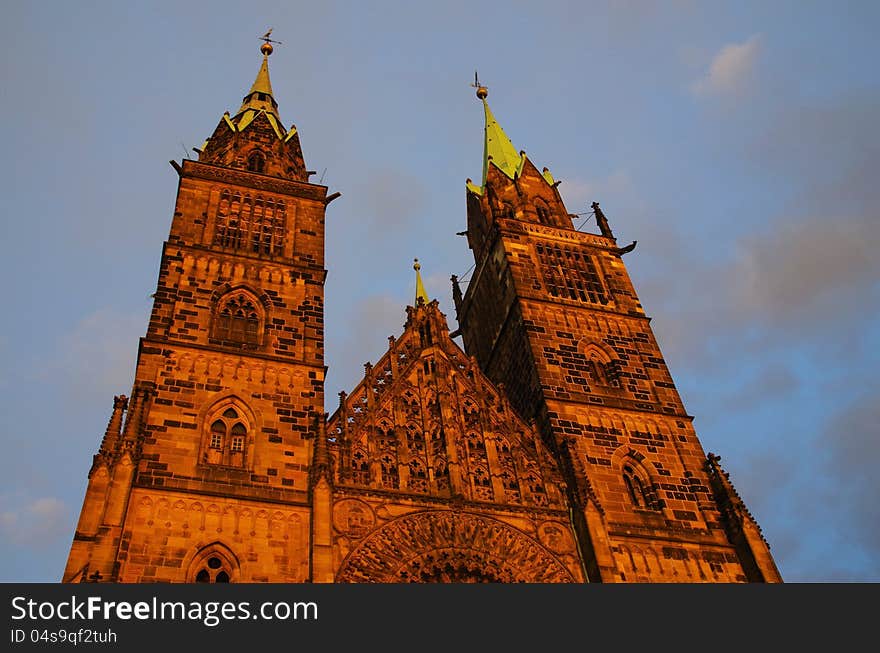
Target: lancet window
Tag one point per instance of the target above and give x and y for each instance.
(251, 224)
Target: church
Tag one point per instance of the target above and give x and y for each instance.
(552, 448)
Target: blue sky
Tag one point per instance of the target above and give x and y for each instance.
(737, 142)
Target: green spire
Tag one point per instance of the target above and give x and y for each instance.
(420, 287)
(498, 149)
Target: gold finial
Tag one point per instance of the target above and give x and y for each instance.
(482, 91)
(267, 48)
(416, 265)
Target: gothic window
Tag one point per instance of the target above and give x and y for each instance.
(411, 404)
(508, 470)
(475, 444)
(482, 484)
(227, 439)
(414, 438)
(570, 274)
(601, 368)
(511, 487)
(388, 465)
(418, 478)
(543, 213)
(641, 495)
(360, 469)
(425, 334)
(386, 444)
(255, 224)
(478, 465)
(471, 414)
(213, 572)
(256, 162)
(213, 564)
(536, 489)
(237, 320)
(238, 434)
(441, 474)
(218, 430)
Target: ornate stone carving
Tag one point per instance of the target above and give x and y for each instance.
(251, 180)
(447, 546)
(556, 537)
(353, 517)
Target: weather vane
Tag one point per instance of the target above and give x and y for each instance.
(482, 91)
(266, 48)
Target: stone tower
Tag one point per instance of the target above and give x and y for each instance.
(202, 474)
(553, 448)
(550, 313)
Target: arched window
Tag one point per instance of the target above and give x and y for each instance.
(418, 477)
(256, 162)
(571, 274)
(227, 439)
(213, 564)
(213, 572)
(237, 320)
(601, 368)
(360, 470)
(638, 488)
(388, 465)
(543, 213)
(471, 413)
(255, 224)
(441, 474)
(535, 485)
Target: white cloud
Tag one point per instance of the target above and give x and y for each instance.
(579, 194)
(369, 323)
(788, 272)
(31, 523)
(98, 355)
(731, 69)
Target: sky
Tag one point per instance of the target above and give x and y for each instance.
(738, 143)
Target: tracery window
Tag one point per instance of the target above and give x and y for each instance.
(601, 368)
(227, 441)
(212, 572)
(388, 465)
(418, 477)
(639, 489)
(536, 489)
(213, 564)
(252, 224)
(478, 465)
(441, 474)
(360, 469)
(238, 320)
(570, 274)
(508, 470)
(386, 444)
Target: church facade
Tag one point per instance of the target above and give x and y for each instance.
(553, 447)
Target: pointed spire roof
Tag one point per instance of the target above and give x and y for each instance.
(420, 287)
(497, 147)
(260, 96)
